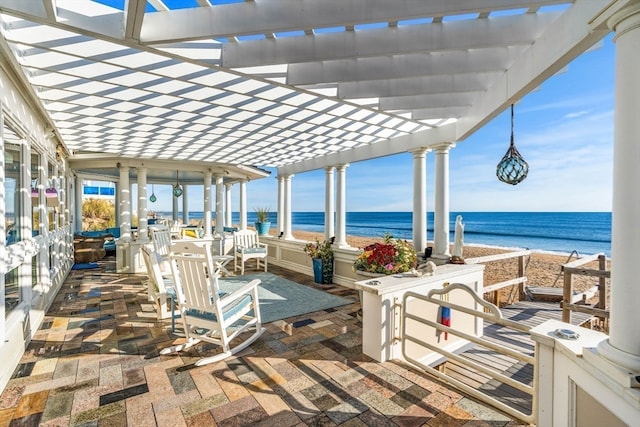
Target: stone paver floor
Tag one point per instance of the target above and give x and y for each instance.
(95, 362)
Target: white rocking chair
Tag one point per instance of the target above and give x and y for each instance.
(161, 242)
(246, 245)
(159, 286)
(207, 314)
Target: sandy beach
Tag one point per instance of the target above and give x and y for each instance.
(542, 269)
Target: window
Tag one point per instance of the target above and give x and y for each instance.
(35, 194)
(12, 184)
(11, 291)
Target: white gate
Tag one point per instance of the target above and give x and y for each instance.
(498, 368)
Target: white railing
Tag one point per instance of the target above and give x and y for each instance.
(488, 312)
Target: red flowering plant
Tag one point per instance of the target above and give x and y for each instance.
(389, 257)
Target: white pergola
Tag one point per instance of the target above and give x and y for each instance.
(318, 84)
(294, 84)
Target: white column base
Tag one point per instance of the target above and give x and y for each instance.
(627, 361)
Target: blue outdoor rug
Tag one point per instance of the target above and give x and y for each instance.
(281, 298)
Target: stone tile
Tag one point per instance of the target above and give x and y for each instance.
(439, 401)
(58, 405)
(377, 401)
(445, 420)
(31, 404)
(195, 407)
(44, 366)
(97, 413)
(200, 419)
(234, 408)
(414, 415)
(315, 376)
(10, 396)
(280, 419)
(249, 417)
(170, 418)
(231, 386)
(482, 412)
(346, 410)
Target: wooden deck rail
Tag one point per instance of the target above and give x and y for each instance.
(520, 279)
(570, 269)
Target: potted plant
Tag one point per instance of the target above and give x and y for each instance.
(322, 258)
(262, 221)
(392, 256)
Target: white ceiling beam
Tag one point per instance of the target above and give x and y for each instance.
(439, 112)
(455, 35)
(133, 17)
(563, 41)
(417, 85)
(401, 66)
(260, 17)
(436, 100)
(427, 138)
(25, 8)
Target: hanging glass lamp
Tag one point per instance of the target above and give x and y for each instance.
(512, 169)
(177, 189)
(153, 197)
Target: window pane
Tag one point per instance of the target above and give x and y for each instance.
(11, 291)
(12, 184)
(35, 214)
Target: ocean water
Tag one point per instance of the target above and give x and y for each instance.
(585, 232)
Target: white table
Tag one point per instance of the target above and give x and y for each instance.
(221, 261)
(382, 314)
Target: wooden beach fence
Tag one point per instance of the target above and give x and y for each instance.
(599, 308)
(520, 279)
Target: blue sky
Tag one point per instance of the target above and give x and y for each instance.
(564, 130)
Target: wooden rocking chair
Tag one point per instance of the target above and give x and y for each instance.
(208, 314)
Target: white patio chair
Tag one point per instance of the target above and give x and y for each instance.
(160, 288)
(207, 314)
(246, 245)
(161, 242)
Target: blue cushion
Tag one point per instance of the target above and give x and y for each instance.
(253, 250)
(238, 306)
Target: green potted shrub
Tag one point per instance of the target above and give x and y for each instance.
(322, 258)
(263, 224)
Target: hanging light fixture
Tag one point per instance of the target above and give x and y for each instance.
(153, 197)
(177, 189)
(512, 169)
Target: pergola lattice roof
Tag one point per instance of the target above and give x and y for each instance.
(295, 84)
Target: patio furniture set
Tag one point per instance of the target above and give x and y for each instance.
(185, 273)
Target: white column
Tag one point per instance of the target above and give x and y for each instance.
(341, 207)
(219, 201)
(287, 207)
(243, 204)
(125, 204)
(228, 210)
(207, 205)
(77, 212)
(118, 205)
(329, 203)
(441, 211)
(623, 345)
(281, 215)
(175, 206)
(185, 204)
(142, 204)
(420, 199)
